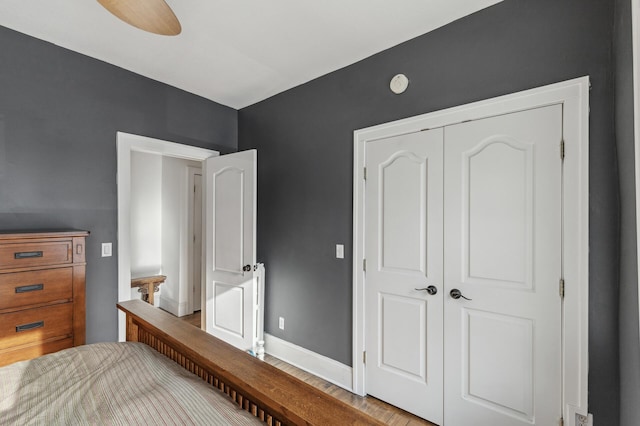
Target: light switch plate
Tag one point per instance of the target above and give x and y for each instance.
(106, 250)
(339, 251)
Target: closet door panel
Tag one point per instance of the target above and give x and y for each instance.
(502, 247)
(403, 251)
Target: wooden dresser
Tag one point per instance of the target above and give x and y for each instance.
(42, 293)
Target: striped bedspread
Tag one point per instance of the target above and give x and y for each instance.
(111, 384)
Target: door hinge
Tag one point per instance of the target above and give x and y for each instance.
(562, 149)
(562, 287)
(364, 264)
(561, 422)
(365, 173)
(364, 357)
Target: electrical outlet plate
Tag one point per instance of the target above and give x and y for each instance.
(281, 323)
(339, 251)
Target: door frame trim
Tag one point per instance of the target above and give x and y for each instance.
(635, 29)
(191, 172)
(574, 95)
(125, 144)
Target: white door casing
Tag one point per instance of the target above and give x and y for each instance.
(229, 250)
(635, 28)
(573, 96)
(503, 251)
(404, 254)
(195, 273)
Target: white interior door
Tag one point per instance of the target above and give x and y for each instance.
(403, 252)
(229, 250)
(503, 251)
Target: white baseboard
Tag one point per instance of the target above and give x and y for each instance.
(319, 365)
(173, 307)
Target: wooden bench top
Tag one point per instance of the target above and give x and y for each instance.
(142, 281)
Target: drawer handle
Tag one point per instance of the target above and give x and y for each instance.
(30, 326)
(27, 254)
(28, 288)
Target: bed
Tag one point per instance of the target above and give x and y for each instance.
(110, 383)
(164, 374)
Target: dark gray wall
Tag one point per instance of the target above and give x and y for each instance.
(59, 113)
(304, 139)
(629, 344)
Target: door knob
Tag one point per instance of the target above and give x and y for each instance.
(432, 289)
(246, 268)
(457, 294)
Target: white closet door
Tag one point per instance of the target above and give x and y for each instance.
(503, 251)
(403, 251)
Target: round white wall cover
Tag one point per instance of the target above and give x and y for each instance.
(399, 84)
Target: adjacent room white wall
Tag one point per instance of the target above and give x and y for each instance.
(146, 218)
(175, 238)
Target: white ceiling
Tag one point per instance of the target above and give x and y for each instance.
(238, 52)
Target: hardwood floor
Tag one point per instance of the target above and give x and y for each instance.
(372, 406)
(193, 319)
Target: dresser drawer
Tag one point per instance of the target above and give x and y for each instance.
(35, 287)
(9, 356)
(19, 255)
(34, 325)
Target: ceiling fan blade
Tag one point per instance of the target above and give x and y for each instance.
(154, 16)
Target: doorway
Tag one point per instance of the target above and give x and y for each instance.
(166, 212)
(127, 144)
(231, 300)
(437, 327)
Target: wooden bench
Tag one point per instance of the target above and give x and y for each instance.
(148, 286)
